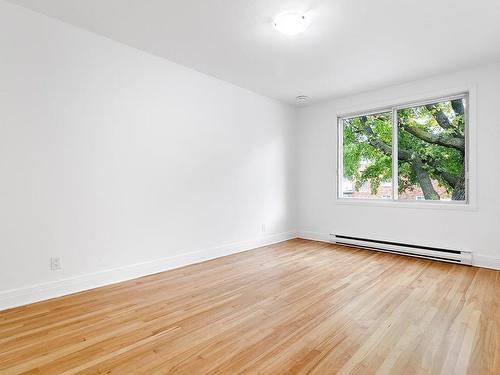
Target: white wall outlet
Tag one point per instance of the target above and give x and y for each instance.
(55, 263)
(263, 228)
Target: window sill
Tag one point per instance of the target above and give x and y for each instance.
(412, 205)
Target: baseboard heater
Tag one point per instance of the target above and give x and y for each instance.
(444, 255)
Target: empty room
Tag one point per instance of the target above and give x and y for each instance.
(249, 187)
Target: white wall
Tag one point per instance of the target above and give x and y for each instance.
(475, 230)
(123, 164)
(111, 157)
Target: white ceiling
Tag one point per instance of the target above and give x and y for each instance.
(351, 46)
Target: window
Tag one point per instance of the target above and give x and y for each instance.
(413, 153)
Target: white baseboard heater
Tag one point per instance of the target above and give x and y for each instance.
(444, 255)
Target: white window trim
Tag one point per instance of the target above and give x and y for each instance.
(420, 99)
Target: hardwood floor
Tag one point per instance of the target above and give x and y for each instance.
(298, 307)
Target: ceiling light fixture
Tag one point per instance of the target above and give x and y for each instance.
(291, 22)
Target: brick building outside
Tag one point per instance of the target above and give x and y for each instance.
(385, 192)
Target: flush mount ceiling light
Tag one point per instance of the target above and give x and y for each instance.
(291, 23)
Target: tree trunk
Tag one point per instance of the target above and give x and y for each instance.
(459, 188)
(424, 180)
(458, 106)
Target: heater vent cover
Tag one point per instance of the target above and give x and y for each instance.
(428, 252)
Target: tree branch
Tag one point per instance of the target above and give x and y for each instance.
(416, 163)
(380, 145)
(458, 106)
(451, 179)
(439, 115)
(422, 165)
(443, 120)
(437, 139)
(448, 177)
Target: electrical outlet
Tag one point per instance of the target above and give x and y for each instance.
(263, 228)
(55, 263)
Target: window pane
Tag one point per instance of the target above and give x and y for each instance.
(431, 151)
(367, 150)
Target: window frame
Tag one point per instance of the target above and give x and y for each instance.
(468, 95)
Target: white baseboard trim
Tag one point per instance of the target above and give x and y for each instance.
(39, 292)
(486, 261)
(314, 236)
(478, 260)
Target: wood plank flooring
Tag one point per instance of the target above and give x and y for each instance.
(297, 307)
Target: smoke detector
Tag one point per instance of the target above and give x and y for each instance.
(302, 99)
